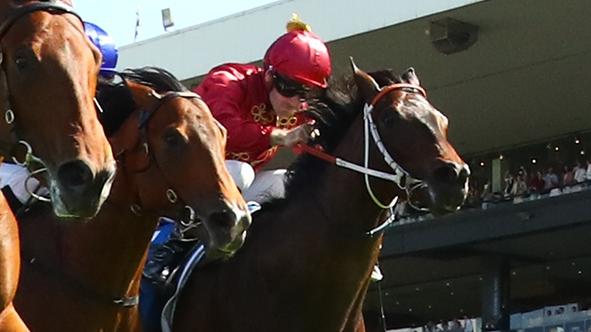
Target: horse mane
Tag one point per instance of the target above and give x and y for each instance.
(116, 98)
(333, 111)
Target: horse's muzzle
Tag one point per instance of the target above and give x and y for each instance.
(448, 187)
(227, 229)
(77, 192)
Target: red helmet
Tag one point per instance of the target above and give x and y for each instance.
(300, 55)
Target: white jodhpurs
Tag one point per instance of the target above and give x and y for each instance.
(15, 177)
(260, 187)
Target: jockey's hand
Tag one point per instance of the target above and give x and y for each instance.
(291, 137)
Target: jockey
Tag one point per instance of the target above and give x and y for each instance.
(259, 106)
(13, 178)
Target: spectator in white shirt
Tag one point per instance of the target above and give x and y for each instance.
(580, 173)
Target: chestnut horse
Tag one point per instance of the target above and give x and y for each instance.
(170, 151)
(48, 79)
(306, 263)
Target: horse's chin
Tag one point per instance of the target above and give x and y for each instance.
(445, 200)
(228, 250)
(74, 206)
(218, 254)
(68, 212)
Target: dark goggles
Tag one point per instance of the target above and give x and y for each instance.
(289, 88)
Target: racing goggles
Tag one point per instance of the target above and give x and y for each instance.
(289, 88)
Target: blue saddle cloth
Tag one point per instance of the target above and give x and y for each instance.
(155, 298)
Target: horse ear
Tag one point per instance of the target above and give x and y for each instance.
(365, 83)
(411, 77)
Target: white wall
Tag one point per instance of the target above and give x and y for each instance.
(244, 37)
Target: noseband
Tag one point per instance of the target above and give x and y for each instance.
(54, 7)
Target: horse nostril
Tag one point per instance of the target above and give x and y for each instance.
(464, 173)
(449, 173)
(74, 175)
(224, 219)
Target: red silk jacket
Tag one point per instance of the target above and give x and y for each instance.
(239, 100)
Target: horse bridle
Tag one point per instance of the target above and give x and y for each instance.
(144, 117)
(400, 174)
(400, 177)
(53, 7)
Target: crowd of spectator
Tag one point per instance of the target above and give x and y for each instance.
(518, 185)
(527, 184)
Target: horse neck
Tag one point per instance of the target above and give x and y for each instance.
(315, 248)
(104, 254)
(120, 236)
(345, 213)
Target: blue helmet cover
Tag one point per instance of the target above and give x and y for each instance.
(101, 39)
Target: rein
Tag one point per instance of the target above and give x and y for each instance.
(400, 176)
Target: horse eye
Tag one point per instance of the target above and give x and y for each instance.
(21, 63)
(22, 58)
(173, 138)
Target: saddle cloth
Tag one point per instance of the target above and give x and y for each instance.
(158, 298)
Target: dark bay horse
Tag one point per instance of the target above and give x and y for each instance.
(170, 152)
(47, 84)
(306, 263)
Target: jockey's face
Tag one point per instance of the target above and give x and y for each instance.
(286, 101)
(284, 106)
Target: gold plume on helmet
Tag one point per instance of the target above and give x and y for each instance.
(296, 24)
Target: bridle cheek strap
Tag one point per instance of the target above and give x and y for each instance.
(10, 139)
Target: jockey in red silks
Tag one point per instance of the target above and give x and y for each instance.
(13, 177)
(260, 107)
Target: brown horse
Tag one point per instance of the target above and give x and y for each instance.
(47, 83)
(306, 263)
(171, 157)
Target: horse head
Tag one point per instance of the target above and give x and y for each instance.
(48, 79)
(413, 135)
(175, 149)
